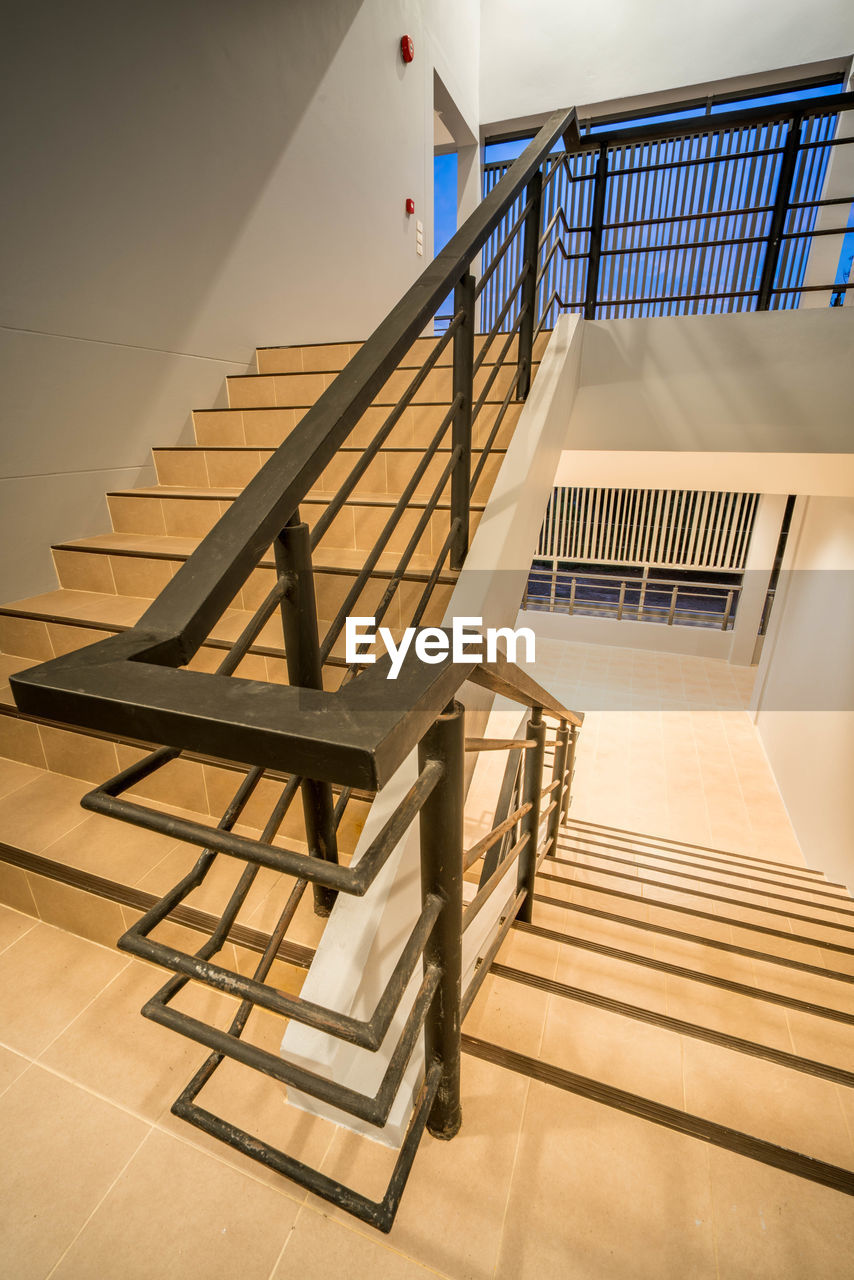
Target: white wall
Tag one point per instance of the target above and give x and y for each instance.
(775, 382)
(540, 54)
(186, 180)
(805, 684)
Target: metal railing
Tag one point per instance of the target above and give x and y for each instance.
(337, 731)
(640, 599)
(681, 217)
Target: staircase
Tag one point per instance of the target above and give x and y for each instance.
(81, 871)
(703, 991)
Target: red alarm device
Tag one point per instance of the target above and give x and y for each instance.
(407, 48)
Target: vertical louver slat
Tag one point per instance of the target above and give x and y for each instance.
(680, 528)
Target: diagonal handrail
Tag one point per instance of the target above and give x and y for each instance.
(131, 684)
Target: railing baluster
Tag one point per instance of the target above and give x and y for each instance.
(463, 386)
(599, 188)
(674, 595)
(727, 610)
(528, 300)
(558, 771)
(781, 205)
(531, 794)
(441, 831)
(570, 769)
(292, 550)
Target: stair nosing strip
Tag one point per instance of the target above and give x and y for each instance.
(752, 1048)
(802, 966)
(809, 886)
(140, 899)
(800, 939)
(758, 1149)
(409, 575)
(163, 494)
(271, 448)
(800, 875)
(689, 975)
(661, 841)
(714, 897)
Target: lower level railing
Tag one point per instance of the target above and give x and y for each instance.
(667, 600)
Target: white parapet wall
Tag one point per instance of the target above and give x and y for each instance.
(364, 936)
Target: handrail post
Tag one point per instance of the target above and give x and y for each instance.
(727, 611)
(558, 772)
(570, 770)
(463, 386)
(597, 218)
(441, 834)
(528, 300)
(292, 551)
(778, 218)
(531, 794)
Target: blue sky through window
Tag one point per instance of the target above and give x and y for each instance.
(444, 213)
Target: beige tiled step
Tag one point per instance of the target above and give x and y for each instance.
(201, 784)
(659, 850)
(197, 467)
(739, 875)
(41, 816)
(693, 953)
(182, 512)
(809, 944)
(58, 622)
(332, 356)
(140, 565)
(780, 1104)
(754, 905)
(267, 428)
(140, 573)
(296, 390)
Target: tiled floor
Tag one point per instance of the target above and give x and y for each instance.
(99, 1179)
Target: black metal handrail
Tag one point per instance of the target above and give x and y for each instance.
(132, 684)
(354, 737)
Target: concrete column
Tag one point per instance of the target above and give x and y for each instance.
(760, 561)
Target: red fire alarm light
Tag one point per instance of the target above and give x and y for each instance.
(410, 205)
(407, 48)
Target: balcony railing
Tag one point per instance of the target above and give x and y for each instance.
(651, 599)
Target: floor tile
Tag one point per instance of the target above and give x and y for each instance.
(41, 811)
(176, 1213)
(14, 775)
(12, 1065)
(319, 1248)
(599, 1195)
(616, 1050)
(13, 925)
(47, 978)
(770, 1225)
(782, 1106)
(69, 1147)
(452, 1211)
(111, 1049)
